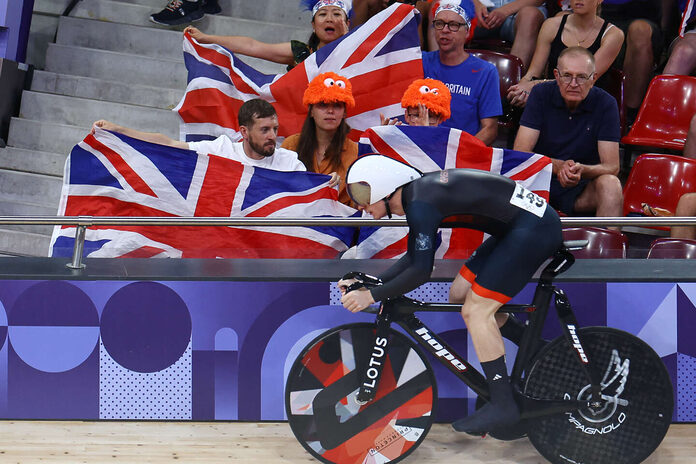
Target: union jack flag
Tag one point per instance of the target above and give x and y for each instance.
(381, 58)
(434, 148)
(688, 16)
(109, 174)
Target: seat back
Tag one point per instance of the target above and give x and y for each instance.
(510, 71)
(613, 82)
(658, 180)
(664, 117)
(672, 248)
(601, 243)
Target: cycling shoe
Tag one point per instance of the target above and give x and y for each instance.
(489, 418)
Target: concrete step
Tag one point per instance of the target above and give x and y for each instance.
(15, 242)
(108, 65)
(159, 43)
(38, 162)
(43, 136)
(25, 187)
(83, 112)
(27, 209)
(98, 89)
(42, 31)
(50, 7)
(286, 12)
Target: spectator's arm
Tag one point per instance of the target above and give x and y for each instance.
(526, 139)
(488, 131)
(152, 137)
(608, 50)
(516, 5)
(608, 161)
(277, 52)
(518, 93)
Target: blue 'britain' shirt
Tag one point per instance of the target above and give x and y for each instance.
(565, 135)
(475, 89)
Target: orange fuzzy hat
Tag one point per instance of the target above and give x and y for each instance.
(432, 93)
(329, 87)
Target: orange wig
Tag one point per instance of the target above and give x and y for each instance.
(329, 87)
(430, 92)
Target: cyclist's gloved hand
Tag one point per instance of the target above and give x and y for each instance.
(343, 284)
(357, 300)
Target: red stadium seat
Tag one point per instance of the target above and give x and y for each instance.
(664, 117)
(510, 71)
(658, 180)
(602, 243)
(672, 248)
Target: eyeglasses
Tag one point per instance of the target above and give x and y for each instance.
(581, 79)
(452, 25)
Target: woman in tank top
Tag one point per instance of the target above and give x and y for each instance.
(583, 28)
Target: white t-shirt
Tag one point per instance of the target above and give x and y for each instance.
(281, 160)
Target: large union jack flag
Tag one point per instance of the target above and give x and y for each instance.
(110, 174)
(381, 58)
(434, 148)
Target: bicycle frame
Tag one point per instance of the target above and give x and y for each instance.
(401, 311)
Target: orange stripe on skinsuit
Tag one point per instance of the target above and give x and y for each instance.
(490, 294)
(467, 274)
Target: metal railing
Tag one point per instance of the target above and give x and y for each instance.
(83, 222)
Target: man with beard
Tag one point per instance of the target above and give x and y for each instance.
(258, 126)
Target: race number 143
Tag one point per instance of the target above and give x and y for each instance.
(528, 200)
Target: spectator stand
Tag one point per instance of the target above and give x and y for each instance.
(601, 243)
(672, 248)
(663, 119)
(658, 180)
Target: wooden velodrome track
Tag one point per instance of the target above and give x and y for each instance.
(233, 442)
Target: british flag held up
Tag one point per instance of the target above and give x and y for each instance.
(109, 174)
(433, 148)
(381, 58)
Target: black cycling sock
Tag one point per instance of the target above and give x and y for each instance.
(501, 409)
(513, 330)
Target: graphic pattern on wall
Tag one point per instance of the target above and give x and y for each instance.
(206, 350)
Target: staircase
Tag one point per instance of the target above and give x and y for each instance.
(108, 61)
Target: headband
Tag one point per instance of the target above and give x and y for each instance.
(314, 6)
(455, 8)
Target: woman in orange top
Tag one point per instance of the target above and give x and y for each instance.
(323, 145)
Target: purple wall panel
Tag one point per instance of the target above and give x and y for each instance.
(227, 346)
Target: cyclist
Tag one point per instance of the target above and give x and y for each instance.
(524, 232)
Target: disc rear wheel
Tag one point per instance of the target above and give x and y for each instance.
(634, 415)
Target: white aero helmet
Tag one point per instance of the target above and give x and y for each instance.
(373, 177)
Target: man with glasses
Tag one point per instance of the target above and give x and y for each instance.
(577, 126)
(473, 83)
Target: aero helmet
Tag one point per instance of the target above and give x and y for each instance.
(374, 177)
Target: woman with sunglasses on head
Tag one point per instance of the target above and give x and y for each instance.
(582, 28)
(329, 22)
(323, 144)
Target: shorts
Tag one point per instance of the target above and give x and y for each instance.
(656, 39)
(563, 198)
(503, 265)
(506, 31)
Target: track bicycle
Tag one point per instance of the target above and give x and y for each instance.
(364, 393)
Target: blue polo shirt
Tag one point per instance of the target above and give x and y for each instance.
(475, 88)
(565, 135)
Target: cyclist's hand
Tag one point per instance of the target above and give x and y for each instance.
(357, 300)
(343, 284)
